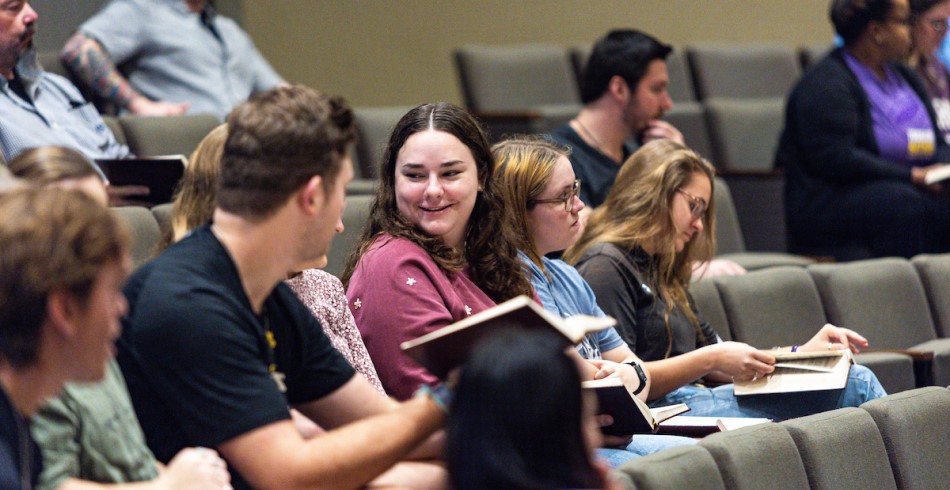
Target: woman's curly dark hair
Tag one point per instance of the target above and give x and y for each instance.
(489, 250)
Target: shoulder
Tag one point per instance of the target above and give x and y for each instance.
(564, 135)
(389, 253)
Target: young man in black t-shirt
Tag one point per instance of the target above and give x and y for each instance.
(216, 348)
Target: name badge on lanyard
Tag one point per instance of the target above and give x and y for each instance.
(920, 143)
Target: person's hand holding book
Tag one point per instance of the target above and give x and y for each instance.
(831, 337)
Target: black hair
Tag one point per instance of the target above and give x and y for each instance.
(622, 52)
(516, 418)
(851, 17)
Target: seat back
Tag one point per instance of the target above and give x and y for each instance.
(146, 235)
(728, 231)
(745, 132)
(934, 271)
(710, 308)
(881, 298)
(515, 77)
(690, 119)
(355, 216)
(163, 216)
(169, 135)
(113, 124)
(743, 71)
(914, 427)
(675, 468)
(773, 306)
(373, 128)
(761, 456)
(841, 449)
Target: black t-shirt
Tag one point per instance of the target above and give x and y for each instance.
(197, 359)
(14, 439)
(596, 170)
(617, 278)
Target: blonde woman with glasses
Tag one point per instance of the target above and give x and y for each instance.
(636, 253)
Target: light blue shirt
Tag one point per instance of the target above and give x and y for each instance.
(54, 114)
(564, 292)
(169, 53)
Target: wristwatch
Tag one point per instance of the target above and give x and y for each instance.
(640, 374)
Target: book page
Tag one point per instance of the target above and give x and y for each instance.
(794, 380)
(938, 175)
(819, 364)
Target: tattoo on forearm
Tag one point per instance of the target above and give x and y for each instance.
(90, 63)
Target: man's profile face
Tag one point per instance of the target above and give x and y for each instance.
(98, 321)
(330, 220)
(17, 24)
(649, 99)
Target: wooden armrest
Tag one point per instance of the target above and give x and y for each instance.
(916, 355)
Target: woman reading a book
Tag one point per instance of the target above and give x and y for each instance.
(636, 253)
(543, 206)
(520, 420)
(436, 248)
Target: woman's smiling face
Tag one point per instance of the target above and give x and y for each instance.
(437, 185)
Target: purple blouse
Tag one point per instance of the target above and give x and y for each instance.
(902, 125)
(397, 293)
(323, 294)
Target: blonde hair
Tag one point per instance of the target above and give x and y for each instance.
(49, 165)
(638, 212)
(197, 194)
(524, 165)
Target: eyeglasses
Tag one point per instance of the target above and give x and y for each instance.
(567, 198)
(697, 205)
(938, 25)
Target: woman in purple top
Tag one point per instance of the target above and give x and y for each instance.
(860, 138)
(436, 248)
(929, 27)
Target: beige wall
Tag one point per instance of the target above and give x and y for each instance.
(389, 52)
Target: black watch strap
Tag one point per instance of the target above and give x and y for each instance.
(640, 374)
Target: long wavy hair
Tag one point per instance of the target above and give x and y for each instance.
(508, 428)
(523, 166)
(489, 250)
(638, 211)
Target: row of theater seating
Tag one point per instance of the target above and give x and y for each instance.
(901, 306)
(899, 441)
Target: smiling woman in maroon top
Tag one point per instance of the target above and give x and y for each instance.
(436, 248)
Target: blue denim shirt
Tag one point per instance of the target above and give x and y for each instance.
(55, 114)
(563, 291)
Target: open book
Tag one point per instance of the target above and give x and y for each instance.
(703, 426)
(444, 349)
(801, 371)
(630, 414)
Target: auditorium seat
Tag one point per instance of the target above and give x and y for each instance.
(745, 132)
(781, 306)
(355, 216)
(690, 119)
(842, 449)
(743, 71)
(708, 303)
(169, 135)
(761, 456)
(916, 432)
(730, 239)
(524, 88)
(113, 123)
(163, 216)
(146, 234)
(373, 128)
(884, 299)
(674, 469)
(934, 271)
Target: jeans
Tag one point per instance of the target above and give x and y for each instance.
(721, 401)
(641, 445)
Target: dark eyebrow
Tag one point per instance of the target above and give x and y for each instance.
(443, 165)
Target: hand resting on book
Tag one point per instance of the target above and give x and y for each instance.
(831, 337)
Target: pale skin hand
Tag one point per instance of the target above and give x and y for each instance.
(831, 337)
(190, 469)
(717, 267)
(659, 129)
(142, 106)
(919, 174)
(740, 361)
